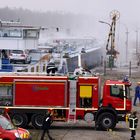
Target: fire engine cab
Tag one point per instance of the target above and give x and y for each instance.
(71, 99)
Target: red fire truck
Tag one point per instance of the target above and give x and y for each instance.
(71, 99)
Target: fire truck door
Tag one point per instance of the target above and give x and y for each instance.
(117, 97)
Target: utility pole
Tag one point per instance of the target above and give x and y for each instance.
(137, 42)
(127, 44)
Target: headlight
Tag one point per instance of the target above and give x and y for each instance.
(23, 135)
(17, 135)
(27, 132)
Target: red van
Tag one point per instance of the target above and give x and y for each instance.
(9, 132)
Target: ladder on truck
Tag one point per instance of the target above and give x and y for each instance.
(72, 102)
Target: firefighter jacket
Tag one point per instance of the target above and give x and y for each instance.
(47, 121)
(51, 65)
(133, 122)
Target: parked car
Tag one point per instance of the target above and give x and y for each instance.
(19, 56)
(9, 132)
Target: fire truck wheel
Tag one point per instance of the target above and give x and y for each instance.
(20, 120)
(37, 120)
(106, 121)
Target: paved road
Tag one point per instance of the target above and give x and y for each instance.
(84, 131)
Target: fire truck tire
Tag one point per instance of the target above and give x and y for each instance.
(20, 120)
(37, 120)
(106, 121)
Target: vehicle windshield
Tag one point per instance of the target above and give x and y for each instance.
(5, 123)
(127, 90)
(17, 51)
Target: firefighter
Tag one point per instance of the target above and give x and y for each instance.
(137, 93)
(133, 122)
(81, 71)
(51, 68)
(46, 125)
(4, 54)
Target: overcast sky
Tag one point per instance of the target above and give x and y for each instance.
(128, 8)
(99, 9)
